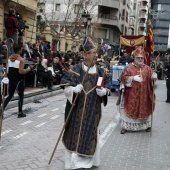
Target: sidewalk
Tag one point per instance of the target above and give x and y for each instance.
(139, 150)
(32, 94)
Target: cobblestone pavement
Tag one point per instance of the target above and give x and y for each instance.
(27, 143)
(137, 150)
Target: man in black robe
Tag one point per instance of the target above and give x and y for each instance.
(81, 132)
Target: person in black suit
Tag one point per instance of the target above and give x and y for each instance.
(167, 73)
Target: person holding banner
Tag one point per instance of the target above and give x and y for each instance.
(137, 97)
(81, 135)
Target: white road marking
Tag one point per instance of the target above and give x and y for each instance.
(27, 122)
(109, 129)
(55, 117)
(1, 147)
(164, 83)
(42, 115)
(64, 105)
(20, 135)
(5, 132)
(54, 109)
(41, 124)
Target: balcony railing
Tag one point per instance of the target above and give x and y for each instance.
(142, 33)
(107, 16)
(146, 1)
(110, 3)
(142, 15)
(144, 7)
(112, 20)
(142, 24)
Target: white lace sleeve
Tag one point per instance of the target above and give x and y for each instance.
(68, 91)
(129, 82)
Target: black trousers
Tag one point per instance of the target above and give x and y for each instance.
(47, 76)
(15, 86)
(168, 89)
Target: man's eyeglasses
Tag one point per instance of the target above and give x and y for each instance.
(139, 58)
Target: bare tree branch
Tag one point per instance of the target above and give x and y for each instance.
(72, 21)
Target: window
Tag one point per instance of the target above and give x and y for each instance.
(131, 21)
(134, 6)
(41, 7)
(127, 18)
(57, 7)
(101, 33)
(122, 28)
(123, 14)
(125, 30)
(76, 8)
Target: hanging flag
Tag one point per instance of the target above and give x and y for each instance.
(132, 42)
(150, 32)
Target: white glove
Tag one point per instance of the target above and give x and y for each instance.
(5, 80)
(78, 88)
(154, 75)
(101, 92)
(137, 78)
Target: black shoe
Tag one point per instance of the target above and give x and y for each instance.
(20, 115)
(167, 101)
(50, 88)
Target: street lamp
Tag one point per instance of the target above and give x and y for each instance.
(87, 21)
(155, 13)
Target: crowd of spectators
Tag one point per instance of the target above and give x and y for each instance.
(50, 62)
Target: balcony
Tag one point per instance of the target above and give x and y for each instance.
(107, 19)
(110, 3)
(107, 16)
(144, 8)
(142, 24)
(29, 5)
(143, 15)
(142, 33)
(132, 22)
(145, 1)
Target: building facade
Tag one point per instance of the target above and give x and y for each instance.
(110, 18)
(27, 9)
(134, 15)
(160, 10)
(143, 16)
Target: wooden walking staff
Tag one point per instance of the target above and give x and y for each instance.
(69, 114)
(2, 114)
(4, 90)
(152, 108)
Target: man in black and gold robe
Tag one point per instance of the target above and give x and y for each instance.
(81, 132)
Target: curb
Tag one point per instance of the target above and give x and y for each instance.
(31, 97)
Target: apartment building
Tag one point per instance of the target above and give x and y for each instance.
(143, 16)
(110, 18)
(161, 24)
(27, 9)
(133, 20)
